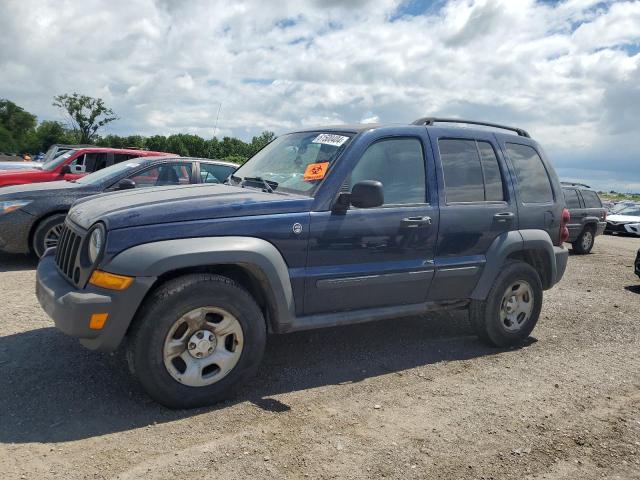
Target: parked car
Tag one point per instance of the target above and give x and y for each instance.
(73, 164)
(19, 165)
(625, 220)
(588, 216)
(322, 227)
(34, 214)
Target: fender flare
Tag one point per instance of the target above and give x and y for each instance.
(257, 256)
(507, 244)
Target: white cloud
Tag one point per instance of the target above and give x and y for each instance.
(568, 71)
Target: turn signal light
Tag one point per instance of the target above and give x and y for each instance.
(110, 280)
(97, 321)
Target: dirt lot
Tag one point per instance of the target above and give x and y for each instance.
(410, 398)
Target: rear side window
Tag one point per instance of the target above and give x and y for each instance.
(533, 181)
(591, 199)
(471, 171)
(121, 157)
(571, 198)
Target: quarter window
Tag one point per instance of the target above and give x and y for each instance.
(533, 181)
(211, 173)
(571, 198)
(398, 164)
(471, 171)
(591, 199)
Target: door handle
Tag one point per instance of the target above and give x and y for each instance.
(415, 222)
(504, 217)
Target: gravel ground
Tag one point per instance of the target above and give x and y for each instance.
(410, 398)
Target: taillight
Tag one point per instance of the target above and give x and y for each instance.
(564, 230)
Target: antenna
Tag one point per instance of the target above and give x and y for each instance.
(215, 128)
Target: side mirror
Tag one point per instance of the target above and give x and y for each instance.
(65, 170)
(126, 184)
(367, 194)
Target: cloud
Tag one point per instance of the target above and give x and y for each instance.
(568, 71)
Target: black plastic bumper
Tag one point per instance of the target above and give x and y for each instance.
(71, 308)
(637, 264)
(562, 257)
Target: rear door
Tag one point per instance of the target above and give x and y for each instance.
(475, 207)
(577, 211)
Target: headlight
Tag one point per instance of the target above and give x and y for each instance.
(11, 205)
(96, 243)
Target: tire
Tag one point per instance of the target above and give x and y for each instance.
(584, 242)
(45, 233)
(156, 331)
(487, 316)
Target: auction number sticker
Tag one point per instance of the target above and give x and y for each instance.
(330, 139)
(315, 171)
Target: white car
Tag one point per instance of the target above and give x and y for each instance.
(19, 165)
(626, 220)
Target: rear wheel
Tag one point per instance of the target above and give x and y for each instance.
(510, 312)
(584, 242)
(195, 339)
(47, 233)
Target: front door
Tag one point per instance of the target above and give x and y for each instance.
(382, 256)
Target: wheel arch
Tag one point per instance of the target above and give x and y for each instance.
(253, 263)
(530, 246)
(39, 220)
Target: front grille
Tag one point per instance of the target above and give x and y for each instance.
(67, 253)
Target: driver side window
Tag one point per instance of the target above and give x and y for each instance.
(163, 175)
(397, 163)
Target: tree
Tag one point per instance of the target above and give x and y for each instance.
(45, 135)
(87, 114)
(15, 125)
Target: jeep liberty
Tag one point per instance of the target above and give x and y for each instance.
(321, 228)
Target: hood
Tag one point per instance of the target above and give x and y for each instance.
(35, 190)
(181, 203)
(20, 166)
(623, 219)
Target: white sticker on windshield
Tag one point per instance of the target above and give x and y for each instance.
(330, 139)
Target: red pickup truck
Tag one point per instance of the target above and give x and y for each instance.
(73, 164)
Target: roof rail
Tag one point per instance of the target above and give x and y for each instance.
(431, 120)
(575, 184)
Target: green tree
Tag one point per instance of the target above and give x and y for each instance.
(259, 142)
(16, 124)
(86, 114)
(45, 135)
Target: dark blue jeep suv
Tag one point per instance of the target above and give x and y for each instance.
(322, 227)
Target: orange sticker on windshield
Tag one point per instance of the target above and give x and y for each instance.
(316, 171)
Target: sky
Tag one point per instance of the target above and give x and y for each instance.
(566, 71)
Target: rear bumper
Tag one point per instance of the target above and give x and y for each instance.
(14, 232)
(561, 255)
(71, 308)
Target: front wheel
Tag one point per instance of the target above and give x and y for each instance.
(510, 312)
(195, 339)
(584, 242)
(47, 233)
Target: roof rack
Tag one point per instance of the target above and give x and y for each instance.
(575, 184)
(431, 120)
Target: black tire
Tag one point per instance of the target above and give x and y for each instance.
(485, 315)
(584, 242)
(44, 226)
(145, 341)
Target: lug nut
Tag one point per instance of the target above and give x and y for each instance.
(192, 346)
(210, 337)
(198, 354)
(199, 334)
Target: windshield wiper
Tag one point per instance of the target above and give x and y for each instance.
(269, 185)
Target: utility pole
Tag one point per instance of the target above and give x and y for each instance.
(215, 128)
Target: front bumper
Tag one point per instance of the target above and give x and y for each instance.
(562, 257)
(14, 231)
(71, 308)
(637, 264)
(627, 228)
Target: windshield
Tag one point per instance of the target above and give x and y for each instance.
(109, 174)
(629, 210)
(52, 164)
(294, 163)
